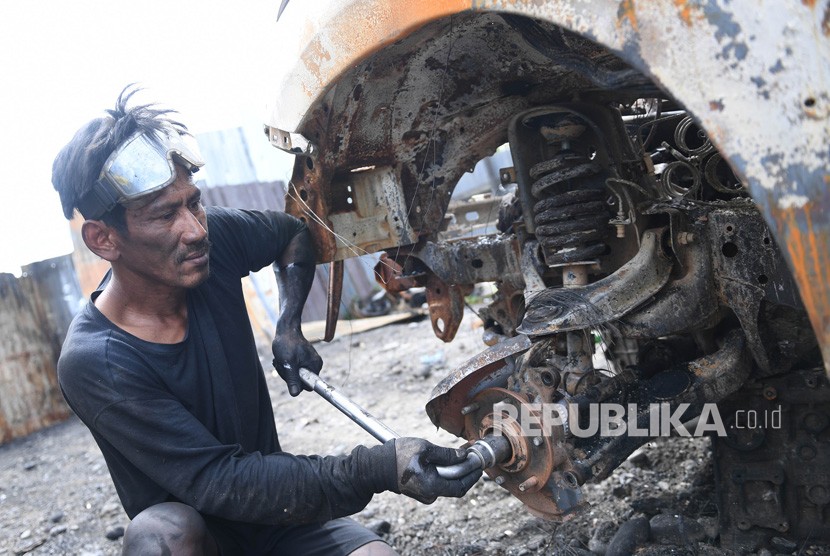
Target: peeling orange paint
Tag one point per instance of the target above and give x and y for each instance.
(626, 12)
(314, 57)
(335, 35)
(685, 9)
(809, 253)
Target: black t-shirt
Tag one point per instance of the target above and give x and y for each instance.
(192, 422)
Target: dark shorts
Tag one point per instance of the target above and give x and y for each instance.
(332, 538)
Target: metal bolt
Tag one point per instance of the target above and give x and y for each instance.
(570, 479)
(467, 409)
(538, 441)
(685, 238)
(507, 175)
(530, 483)
(499, 480)
(770, 393)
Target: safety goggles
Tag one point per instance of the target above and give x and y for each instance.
(141, 165)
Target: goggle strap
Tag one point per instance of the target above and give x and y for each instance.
(98, 201)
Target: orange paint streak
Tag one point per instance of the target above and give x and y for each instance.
(626, 12)
(798, 257)
(809, 254)
(361, 27)
(809, 3)
(685, 11)
(818, 255)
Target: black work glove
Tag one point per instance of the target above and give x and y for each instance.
(292, 351)
(417, 477)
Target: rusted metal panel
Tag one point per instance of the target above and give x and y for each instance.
(32, 327)
(490, 368)
(375, 211)
(473, 260)
(804, 233)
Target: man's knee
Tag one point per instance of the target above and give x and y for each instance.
(170, 528)
(375, 548)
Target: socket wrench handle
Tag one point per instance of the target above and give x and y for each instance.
(353, 411)
(482, 454)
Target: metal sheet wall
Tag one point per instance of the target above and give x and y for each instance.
(35, 311)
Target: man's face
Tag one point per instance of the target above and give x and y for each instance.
(167, 239)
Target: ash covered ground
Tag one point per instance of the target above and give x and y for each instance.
(56, 496)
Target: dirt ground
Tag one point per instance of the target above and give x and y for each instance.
(56, 496)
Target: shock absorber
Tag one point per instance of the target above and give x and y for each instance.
(570, 222)
(570, 215)
(561, 157)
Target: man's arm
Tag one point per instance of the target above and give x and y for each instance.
(162, 439)
(295, 274)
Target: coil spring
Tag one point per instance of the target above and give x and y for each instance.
(569, 222)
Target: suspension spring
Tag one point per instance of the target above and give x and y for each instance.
(570, 220)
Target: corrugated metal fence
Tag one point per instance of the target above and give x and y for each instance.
(35, 311)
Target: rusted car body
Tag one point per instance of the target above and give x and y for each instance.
(668, 202)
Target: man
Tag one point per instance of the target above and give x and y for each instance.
(161, 364)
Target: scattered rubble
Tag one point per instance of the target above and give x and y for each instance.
(659, 502)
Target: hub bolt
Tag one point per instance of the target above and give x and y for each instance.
(530, 483)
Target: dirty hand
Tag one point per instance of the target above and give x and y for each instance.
(292, 351)
(417, 476)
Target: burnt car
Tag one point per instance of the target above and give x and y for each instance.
(659, 241)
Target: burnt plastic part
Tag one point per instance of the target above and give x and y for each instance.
(771, 469)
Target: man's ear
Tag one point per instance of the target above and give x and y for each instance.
(99, 238)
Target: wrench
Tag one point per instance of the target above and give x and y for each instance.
(483, 453)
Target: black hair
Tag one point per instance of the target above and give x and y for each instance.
(78, 165)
